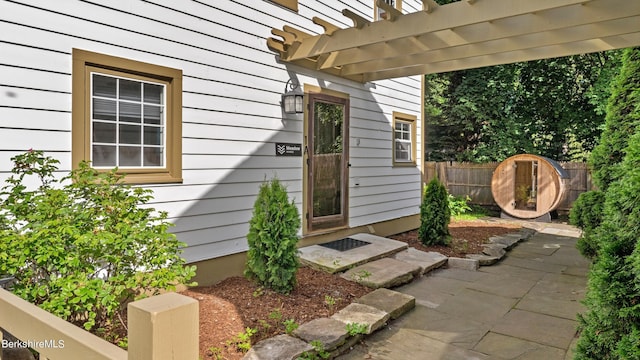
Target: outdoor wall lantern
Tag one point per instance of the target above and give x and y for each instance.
(293, 99)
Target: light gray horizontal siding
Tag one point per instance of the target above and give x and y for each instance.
(231, 113)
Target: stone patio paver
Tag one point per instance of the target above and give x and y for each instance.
(478, 306)
(508, 347)
(522, 307)
(540, 328)
(458, 331)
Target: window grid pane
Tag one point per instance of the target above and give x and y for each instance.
(403, 145)
(127, 122)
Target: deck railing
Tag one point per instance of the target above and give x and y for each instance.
(159, 327)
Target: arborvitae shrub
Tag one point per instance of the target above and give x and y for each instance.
(610, 329)
(273, 236)
(622, 120)
(434, 215)
(613, 299)
(587, 213)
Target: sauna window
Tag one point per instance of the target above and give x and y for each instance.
(526, 185)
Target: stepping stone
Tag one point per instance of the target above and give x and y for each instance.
(278, 347)
(509, 242)
(355, 313)
(392, 302)
(330, 332)
(527, 233)
(484, 260)
(383, 273)
(426, 260)
(462, 263)
(494, 250)
(518, 236)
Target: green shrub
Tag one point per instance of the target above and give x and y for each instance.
(273, 236)
(434, 215)
(622, 120)
(459, 205)
(587, 213)
(610, 328)
(81, 247)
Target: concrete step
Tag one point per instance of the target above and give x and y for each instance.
(383, 273)
(334, 261)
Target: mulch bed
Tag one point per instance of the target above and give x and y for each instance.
(235, 304)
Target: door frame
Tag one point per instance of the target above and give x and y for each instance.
(327, 223)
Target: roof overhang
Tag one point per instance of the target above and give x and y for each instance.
(460, 35)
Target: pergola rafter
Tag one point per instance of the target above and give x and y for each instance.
(461, 35)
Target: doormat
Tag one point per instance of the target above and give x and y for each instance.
(345, 244)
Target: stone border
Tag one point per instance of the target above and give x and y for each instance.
(373, 310)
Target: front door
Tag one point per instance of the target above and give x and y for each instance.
(327, 159)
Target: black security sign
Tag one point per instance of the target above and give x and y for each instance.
(288, 149)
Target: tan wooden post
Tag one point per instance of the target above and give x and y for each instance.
(163, 327)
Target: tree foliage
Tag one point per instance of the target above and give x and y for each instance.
(82, 247)
(610, 329)
(548, 107)
(273, 236)
(434, 215)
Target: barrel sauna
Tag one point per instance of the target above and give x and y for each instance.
(529, 186)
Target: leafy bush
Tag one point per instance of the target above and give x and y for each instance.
(273, 236)
(587, 213)
(81, 247)
(459, 205)
(610, 329)
(434, 215)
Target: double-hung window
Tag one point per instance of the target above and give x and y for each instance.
(128, 124)
(404, 139)
(127, 114)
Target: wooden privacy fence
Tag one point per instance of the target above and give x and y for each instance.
(474, 180)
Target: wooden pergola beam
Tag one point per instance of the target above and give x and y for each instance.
(523, 42)
(561, 18)
(461, 35)
(553, 51)
(418, 23)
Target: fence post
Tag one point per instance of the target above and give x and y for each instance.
(163, 327)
